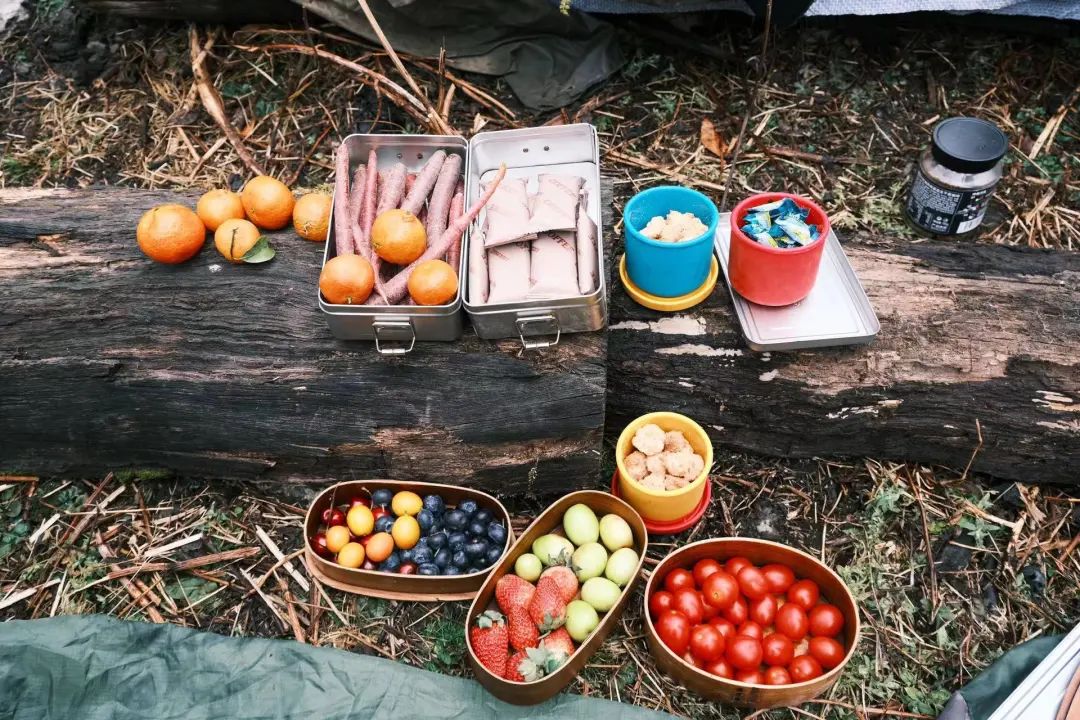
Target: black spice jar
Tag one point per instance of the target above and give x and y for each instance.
(956, 176)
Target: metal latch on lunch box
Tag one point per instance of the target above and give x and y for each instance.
(539, 326)
(395, 331)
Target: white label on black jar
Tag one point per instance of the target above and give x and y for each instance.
(945, 211)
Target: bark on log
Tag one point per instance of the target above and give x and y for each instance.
(972, 337)
(207, 11)
(109, 360)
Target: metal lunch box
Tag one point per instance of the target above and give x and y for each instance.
(395, 330)
(526, 152)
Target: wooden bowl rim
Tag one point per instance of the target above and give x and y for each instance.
(825, 678)
(624, 475)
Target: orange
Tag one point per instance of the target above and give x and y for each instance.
(379, 546)
(311, 216)
(337, 537)
(433, 282)
(360, 520)
(405, 531)
(346, 280)
(267, 202)
(234, 238)
(217, 206)
(351, 556)
(398, 237)
(170, 234)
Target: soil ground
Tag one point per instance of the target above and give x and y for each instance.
(949, 569)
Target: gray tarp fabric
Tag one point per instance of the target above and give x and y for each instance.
(100, 668)
(979, 698)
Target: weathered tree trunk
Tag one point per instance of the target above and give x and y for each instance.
(108, 360)
(212, 11)
(973, 338)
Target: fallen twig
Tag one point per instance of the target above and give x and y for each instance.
(212, 559)
(276, 552)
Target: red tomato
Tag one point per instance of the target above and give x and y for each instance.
(826, 651)
(779, 577)
(688, 602)
(725, 627)
(674, 631)
(720, 590)
(735, 564)
(333, 517)
(804, 593)
(366, 502)
(737, 613)
(689, 658)
(754, 677)
(703, 569)
(721, 668)
(826, 621)
(751, 629)
(777, 650)
(777, 676)
(659, 602)
(752, 583)
(708, 612)
(792, 621)
(706, 643)
(763, 611)
(804, 668)
(678, 579)
(744, 653)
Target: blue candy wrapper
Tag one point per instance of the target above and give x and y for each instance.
(780, 224)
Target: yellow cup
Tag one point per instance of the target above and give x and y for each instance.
(664, 505)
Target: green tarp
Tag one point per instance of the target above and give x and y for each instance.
(100, 668)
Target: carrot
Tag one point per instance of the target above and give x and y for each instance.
(367, 207)
(457, 206)
(397, 288)
(352, 215)
(392, 189)
(439, 206)
(342, 228)
(425, 180)
(410, 180)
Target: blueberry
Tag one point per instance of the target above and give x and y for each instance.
(425, 520)
(427, 569)
(482, 515)
(496, 532)
(435, 540)
(422, 556)
(460, 558)
(442, 558)
(437, 526)
(469, 507)
(382, 497)
(452, 570)
(455, 520)
(384, 523)
(457, 540)
(407, 555)
(493, 555)
(422, 542)
(476, 549)
(435, 504)
(477, 529)
(391, 563)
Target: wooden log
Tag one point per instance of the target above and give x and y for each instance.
(108, 360)
(207, 11)
(975, 339)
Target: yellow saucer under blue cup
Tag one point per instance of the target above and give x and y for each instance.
(670, 304)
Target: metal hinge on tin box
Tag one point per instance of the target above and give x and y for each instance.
(836, 312)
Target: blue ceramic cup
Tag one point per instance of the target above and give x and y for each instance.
(668, 269)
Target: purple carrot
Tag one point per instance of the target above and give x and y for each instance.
(356, 200)
(392, 189)
(398, 287)
(410, 180)
(425, 180)
(342, 227)
(367, 207)
(457, 206)
(439, 205)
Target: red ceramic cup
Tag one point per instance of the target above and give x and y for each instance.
(774, 276)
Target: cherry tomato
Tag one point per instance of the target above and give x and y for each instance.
(720, 668)
(792, 621)
(674, 630)
(752, 583)
(689, 658)
(319, 543)
(333, 517)
(763, 611)
(777, 650)
(706, 643)
(725, 627)
(754, 677)
(751, 629)
(678, 579)
(737, 613)
(659, 602)
(779, 577)
(708, 612)
(828, 652)
(777, 676)
(407, 568)
(735, 564)
(379, 512)
(688, 602)
(826, 621)
(804, 668)
(720, 590)
(359, 500)
(804, 593)
(744, 653)
(703, 569)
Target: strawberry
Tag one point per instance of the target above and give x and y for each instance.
(559, 644)
(513, 592)
(490, 641)
(566, 579)
(547, 607)
(531, 664)
(523, 632)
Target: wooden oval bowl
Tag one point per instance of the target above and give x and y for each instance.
(417, 588)
(537, 691)
(759, 552)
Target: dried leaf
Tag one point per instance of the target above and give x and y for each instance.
(711, 141)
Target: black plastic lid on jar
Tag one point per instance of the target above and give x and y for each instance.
(968, 145)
